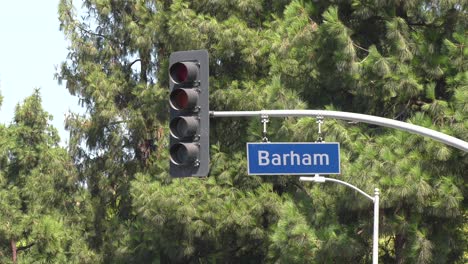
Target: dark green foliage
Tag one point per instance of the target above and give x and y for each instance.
(405, 60)
(191, 220)
(43, 205)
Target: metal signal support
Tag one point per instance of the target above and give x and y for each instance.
(375, 120)
(264, 121)
(319, 122)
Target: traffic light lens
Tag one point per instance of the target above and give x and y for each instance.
(184, 72)
(181, 127)
(183, 153)
(179, 72)
(184, 99)
(184, 127)
(180, 99)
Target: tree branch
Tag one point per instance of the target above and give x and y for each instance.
(421, 24)
(359, 47)
(80, 27)
(26, 247)
(133, 62)
(87, 31)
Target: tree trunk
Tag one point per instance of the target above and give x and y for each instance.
(145, 57)
(400, 241)
(13, 250)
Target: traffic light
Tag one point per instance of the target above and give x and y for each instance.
(189, 123)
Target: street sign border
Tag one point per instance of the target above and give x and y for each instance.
(297, 143)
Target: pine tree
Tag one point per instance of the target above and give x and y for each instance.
(404, 60)
(39, 193)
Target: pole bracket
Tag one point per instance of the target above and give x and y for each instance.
(319, 121)
(264, 120)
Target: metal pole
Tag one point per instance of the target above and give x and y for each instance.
(375, 244)
(375, 200)
(386, 122)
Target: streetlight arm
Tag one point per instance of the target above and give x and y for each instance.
(375, 200)
(323, 179)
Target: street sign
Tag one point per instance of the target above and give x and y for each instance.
(293, 158)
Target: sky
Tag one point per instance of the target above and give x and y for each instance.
(31, 47)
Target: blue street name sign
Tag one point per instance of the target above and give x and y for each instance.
(293, 158)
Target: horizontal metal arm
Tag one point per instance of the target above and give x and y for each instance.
(381, 121)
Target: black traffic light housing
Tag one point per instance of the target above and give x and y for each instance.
(189, 113)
